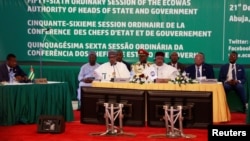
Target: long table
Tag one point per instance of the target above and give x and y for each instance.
(59, 73)
(70, 73)
(221, 112)
(24, 103)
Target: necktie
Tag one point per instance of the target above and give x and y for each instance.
(198, 72)
(233, 72)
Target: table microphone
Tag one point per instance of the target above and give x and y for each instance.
(157, 72)
(113, 78)
(117, 70)
(41, 51)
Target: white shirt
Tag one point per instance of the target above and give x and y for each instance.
(8, 68)
(164, 71)
(107, 71)
(11, 73)
(229, 74)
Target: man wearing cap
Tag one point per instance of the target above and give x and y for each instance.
(112, 69)
(138, 68)
(174, 62)
(160, 71)
(86, 74)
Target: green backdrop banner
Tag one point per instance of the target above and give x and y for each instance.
(65, 30)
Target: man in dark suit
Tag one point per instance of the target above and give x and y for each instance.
(174, 62)
(119, 58)
(233, 77)
(200, 69)
(10, 67)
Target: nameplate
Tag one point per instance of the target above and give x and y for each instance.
(161, 80)
(208, 81)
(121, 80)
(41, 81)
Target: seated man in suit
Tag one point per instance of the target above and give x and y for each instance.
(174, 62)
(200, 69)
(10, 71)
(233, 77)
(112, 69)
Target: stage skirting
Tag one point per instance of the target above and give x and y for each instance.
(24, 103)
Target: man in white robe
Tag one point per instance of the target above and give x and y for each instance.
(160, 72)
(86, 74)
(112, 69)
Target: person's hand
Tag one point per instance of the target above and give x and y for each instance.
(88, 80)
(236, 82)
(21, 78)
(233, 82)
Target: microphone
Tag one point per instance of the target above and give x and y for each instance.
(41, 50)
(46, 29)
(157, 72)
(114, 71)
(117, 70)
(113, 78)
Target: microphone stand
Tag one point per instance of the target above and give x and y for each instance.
(113, 79)
(115, 68)
(157, 73)
(41, 51)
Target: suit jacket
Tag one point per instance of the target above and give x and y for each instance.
(127, 64)
(240, 73)
(4, 72)
(207, 70)
(180, 66)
